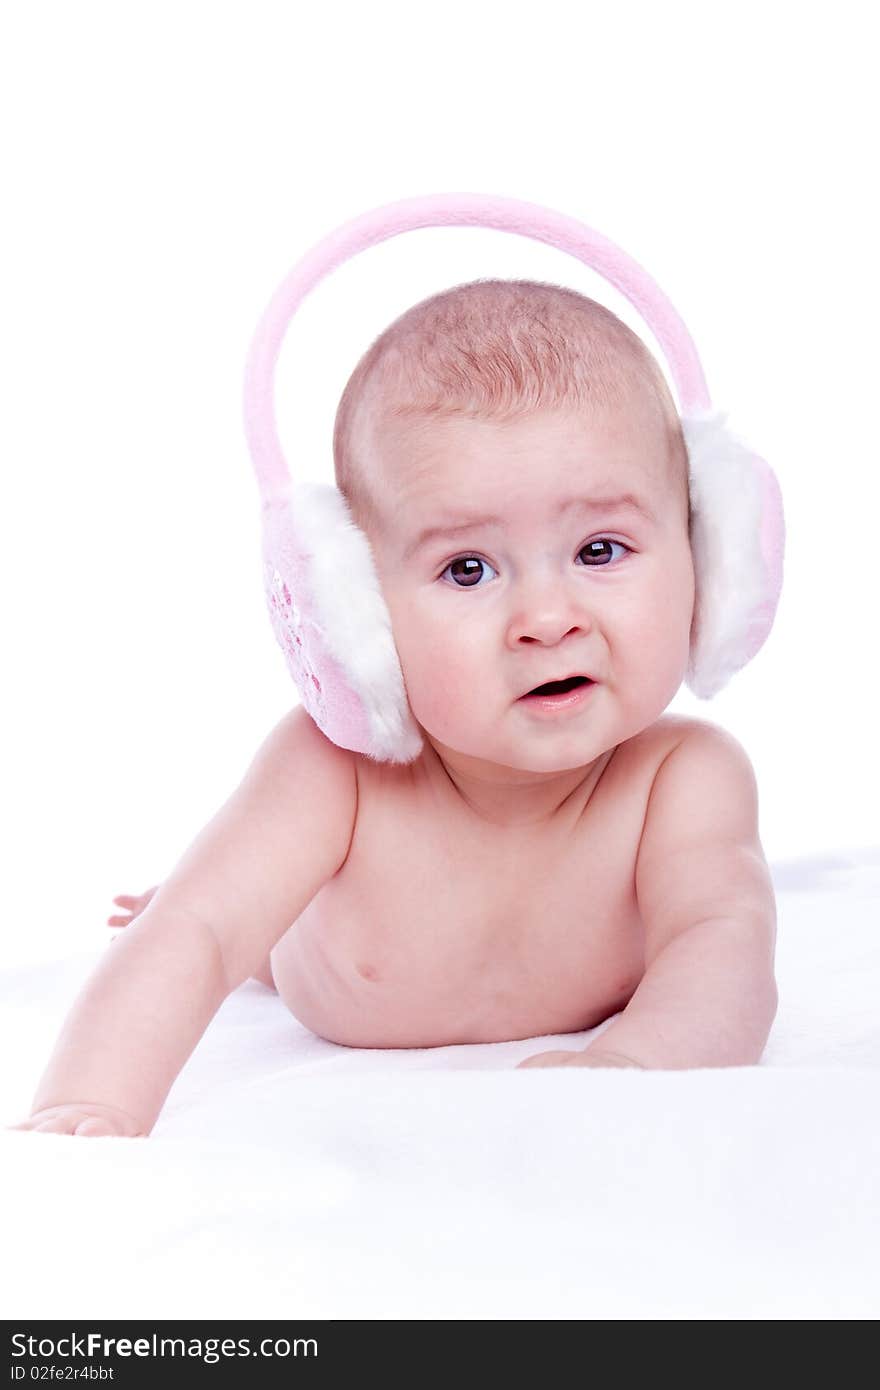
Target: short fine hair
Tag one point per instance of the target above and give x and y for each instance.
(493, 350)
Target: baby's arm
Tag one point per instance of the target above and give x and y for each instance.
(251, 872)
(708, 994)
(132, 1028)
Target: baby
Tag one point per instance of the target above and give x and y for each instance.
(562, 850)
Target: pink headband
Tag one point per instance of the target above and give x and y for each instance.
(453, 210)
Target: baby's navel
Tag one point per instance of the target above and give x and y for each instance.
(369, 972)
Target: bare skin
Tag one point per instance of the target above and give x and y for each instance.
(557, 951)
(525, 875)
(133, 905)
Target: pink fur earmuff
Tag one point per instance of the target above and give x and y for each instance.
(325, 601)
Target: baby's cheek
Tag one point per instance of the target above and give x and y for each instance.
(445, 693)
(435, 696)
(653, 665)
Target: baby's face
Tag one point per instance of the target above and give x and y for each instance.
(482, 616)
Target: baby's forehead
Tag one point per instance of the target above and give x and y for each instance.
(593, 443)
(442, 497)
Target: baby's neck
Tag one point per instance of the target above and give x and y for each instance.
(511, 798)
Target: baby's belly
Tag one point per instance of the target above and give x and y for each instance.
(406, 988)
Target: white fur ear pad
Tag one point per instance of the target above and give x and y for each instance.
(733, 570)
(333, 624)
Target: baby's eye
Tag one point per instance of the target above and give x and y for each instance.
(592, 546)
(469, 568)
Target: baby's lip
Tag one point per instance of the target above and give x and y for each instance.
(552, 679)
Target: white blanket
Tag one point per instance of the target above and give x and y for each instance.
(290, 1178)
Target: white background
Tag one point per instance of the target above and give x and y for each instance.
(165, 165)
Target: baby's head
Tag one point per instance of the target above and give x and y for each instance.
(508, 399)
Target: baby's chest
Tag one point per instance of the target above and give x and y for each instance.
(473, 902)
(437, 932)
(507, 932)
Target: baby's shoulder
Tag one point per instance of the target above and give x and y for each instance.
(670, 730)
(637, 762)
(707, 758)
(652, 744)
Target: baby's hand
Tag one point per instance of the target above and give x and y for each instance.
(134, 906)
(88, 1120)
(550, 1059)
(592, 1057)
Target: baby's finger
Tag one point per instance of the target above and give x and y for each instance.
(549, 1059)
(118, 921)
(93, 1128)
(127, 899)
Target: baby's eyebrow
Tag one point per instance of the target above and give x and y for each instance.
(455, 526)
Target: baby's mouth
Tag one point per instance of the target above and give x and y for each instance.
(558, 687)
